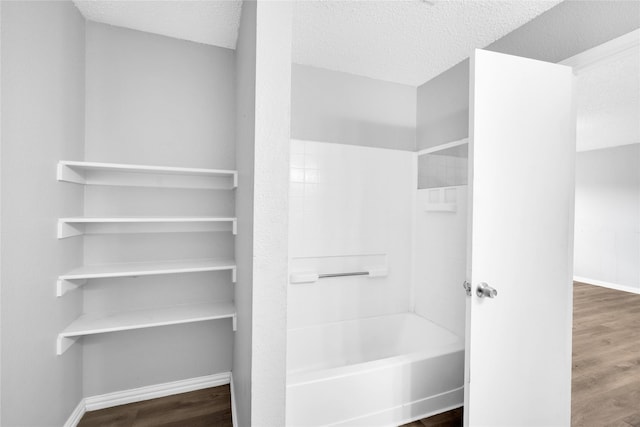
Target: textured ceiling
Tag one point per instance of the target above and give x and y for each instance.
(202, 21)
(395, 40)
(402, 41)
(609, 103)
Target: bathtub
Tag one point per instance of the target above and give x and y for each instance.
(380, 371)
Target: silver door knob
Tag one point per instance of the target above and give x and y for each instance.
(485, 290)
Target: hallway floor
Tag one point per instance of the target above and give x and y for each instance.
(605, 385)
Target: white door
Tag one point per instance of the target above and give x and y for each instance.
(521, 164)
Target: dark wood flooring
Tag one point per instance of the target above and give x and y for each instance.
(605, 384)
(203, 408)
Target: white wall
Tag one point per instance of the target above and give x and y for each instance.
(158, 100)
(441, 260)
(161, 101)
(350, 201)
(344, 108)
(607, 225)
(42, 89)
(271, 222)
(263, 121)
(245, 87)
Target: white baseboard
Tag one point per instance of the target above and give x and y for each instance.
(109, 400)
(609, 285)
(76, 415)
(117, 398)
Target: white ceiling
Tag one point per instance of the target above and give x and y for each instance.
(401, 41)
(608, 103)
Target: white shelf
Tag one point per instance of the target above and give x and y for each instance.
(90, 324)
(93, 173)
(79, 276)
(68, 227)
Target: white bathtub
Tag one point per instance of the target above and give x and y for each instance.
(382, 371)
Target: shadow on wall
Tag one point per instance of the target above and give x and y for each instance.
(362, 133)
(443, 108)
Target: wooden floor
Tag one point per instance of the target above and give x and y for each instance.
(606, 358)
(605, 385)
(202, 408)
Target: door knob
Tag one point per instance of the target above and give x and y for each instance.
(485, 290)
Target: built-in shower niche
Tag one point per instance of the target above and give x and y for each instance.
(306, 270)
(445, 165)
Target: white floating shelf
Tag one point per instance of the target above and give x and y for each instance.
(68, 227)
(92, 173)
(90, 324)
(78, 277)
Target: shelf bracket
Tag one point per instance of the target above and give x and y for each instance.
(67, 174)
(63, 343)
(235, 180)
(234, 319)
(234, 274)
(67, 230)
(63, 285)
(234, 226)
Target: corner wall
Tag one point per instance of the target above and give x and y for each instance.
(43, 53)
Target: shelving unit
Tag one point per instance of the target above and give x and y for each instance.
(90, 324)
(93, 173)
(79, 276)
(69, 227)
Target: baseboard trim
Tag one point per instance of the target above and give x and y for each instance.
(108, 400)
(76, 415)
(617, 287)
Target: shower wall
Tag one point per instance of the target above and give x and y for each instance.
(441, 256)
(441, 236)
(350, 208)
